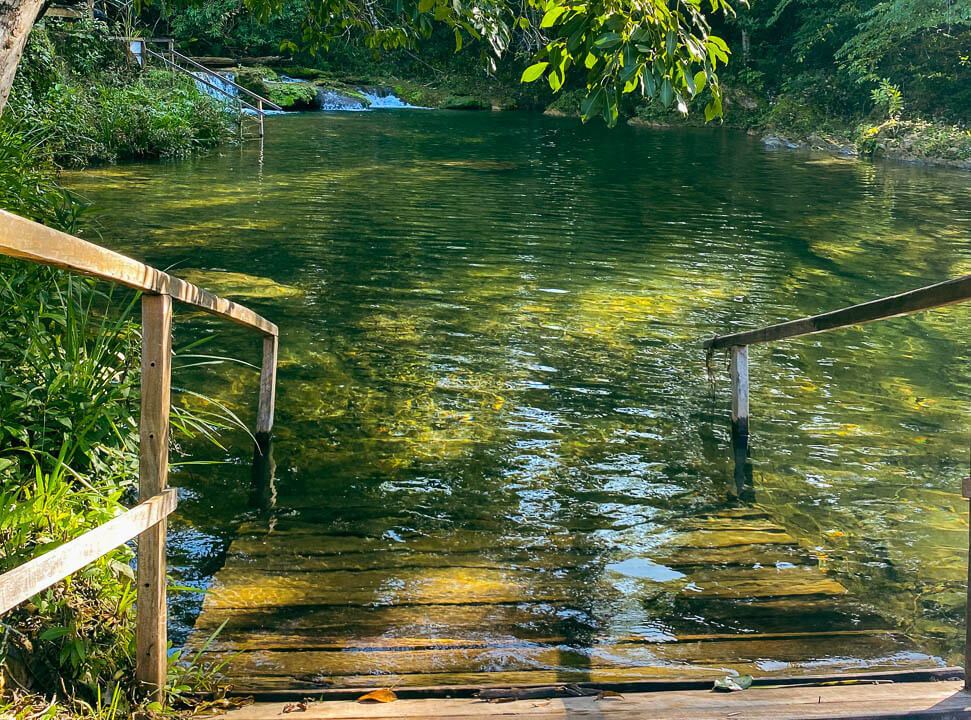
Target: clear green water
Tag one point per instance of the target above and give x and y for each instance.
(492, 323)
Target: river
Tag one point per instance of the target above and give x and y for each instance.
(491, 359)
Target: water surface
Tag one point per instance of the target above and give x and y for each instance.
(490, 358)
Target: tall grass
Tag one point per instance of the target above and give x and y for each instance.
(69, 379)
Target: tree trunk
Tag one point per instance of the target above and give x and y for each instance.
(17, 17)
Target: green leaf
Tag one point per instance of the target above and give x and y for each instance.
(667, 92)
(689, 81)
(425, 5)
(556, 80)
(610, 110)
(534, 71)
(608, 40)
(592, 103)
(650, 84)
(671, 42)
(701, 79)
(54, 633)
(552, 15)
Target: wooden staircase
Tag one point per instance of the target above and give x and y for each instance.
(317, 605)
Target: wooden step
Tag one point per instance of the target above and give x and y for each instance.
(335, 603)
(927, 700)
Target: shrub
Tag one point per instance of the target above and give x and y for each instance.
(96, 107)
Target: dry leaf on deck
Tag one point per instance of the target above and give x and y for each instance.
(295, 707)
(383, 695)
(604, 694)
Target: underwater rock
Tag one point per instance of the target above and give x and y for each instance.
(465, 103)
(238, 285)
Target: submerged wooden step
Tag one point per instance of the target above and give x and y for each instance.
(310, 605)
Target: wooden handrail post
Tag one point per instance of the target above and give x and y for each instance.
(153, 461)
(967, 616)
(264, 493)
(966, 492)
(259, 107)
(265, 412)
(740, 417)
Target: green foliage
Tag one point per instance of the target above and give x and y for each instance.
(656, 52)
(79, 99)
(916, 140)
(892, 25)
(888, 98)
(292, 95)
(660, 50)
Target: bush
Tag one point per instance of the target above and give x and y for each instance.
(96, 107)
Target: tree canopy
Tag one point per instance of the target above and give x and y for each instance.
(663, 49)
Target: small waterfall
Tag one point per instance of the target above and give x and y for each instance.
(333, 100)
(375, 98)
(219, 80)
(388, 100)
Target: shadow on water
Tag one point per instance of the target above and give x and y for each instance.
(497, 454)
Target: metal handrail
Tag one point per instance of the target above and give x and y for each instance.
(271, 105)
(205, 82)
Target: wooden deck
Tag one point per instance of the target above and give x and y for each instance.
(939, 700)
(308, 607)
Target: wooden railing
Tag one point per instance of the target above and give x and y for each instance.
(20, 238)
(925, 298)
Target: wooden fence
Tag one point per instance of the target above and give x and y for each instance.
(925, 298)
(28, 240)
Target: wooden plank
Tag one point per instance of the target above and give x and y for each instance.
(32, 577)
(925, 298)
(22, 238)
(273, 638)
(858, 702)
(265, 681)
(153, 467)
(214, 305)
(743, 654)
(637, 685)
(740, 414)
(27, 240)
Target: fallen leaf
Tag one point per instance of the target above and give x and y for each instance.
(294, 707)
(382, 696)
(542, 704)
(604, 694)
